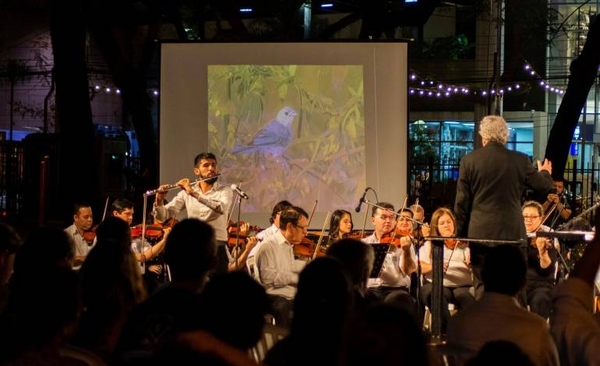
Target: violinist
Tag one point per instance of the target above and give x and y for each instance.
(457, 275)
(265, 234)
(557, 202)
(277, 268)
(393, 283)
(144, 251)
(83, 219)
(239, 253)
(340, 225)
(542, 254)
(419, 215)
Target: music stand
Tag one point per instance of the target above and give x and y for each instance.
(381, 250)
(438, 277)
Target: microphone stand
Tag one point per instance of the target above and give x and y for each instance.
(418, 243)
(237, 246)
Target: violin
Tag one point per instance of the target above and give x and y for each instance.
(238, 238)
(153, 232)
(306, 249)
(394, 237)
(450, 243)
(89, 235)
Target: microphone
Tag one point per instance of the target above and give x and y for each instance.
(237, 190)
(361, 201)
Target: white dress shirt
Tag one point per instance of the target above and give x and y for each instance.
(277, 268)
(212, 207)
(391, 274)
(458, 273)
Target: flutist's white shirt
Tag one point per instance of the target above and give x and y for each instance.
(391, 274)
(212, 207)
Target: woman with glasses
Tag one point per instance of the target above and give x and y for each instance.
(542, 254)
(458, 281)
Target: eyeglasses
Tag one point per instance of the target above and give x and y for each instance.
(387, 217)
(530, 217)
(303, 228)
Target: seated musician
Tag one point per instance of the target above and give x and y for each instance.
(456, 269)
(83, 219)
(268, 232)
(144, 251)
(542, 255)
(423, 230)
(276, 266)
(393, 283)
(340, 225)
(238, 255)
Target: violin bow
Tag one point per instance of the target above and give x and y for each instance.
(312, 212)
(105, 207)
(399, 214)
(318, 246)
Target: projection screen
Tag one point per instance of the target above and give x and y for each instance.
(311, 123)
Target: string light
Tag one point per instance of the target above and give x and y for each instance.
(106, 89)
(542, 83)
(424, 88)
(431, 88)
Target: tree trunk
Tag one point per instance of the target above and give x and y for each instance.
(584, 70)
(78, 180)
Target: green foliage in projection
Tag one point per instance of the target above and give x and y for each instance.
(326, 155)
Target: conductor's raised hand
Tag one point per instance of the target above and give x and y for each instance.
(546, 165)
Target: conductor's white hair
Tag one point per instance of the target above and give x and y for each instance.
(494, 128)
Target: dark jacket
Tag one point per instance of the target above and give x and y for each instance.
(492, 181)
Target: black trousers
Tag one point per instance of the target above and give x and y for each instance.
(222, 258)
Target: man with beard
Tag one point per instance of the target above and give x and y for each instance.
(208, 201)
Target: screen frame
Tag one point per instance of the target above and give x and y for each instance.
(183, 109)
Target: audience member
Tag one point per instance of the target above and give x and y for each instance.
(9, 243)
(387, 336)
(191, 254)
(500, 353)
(44, 303)
(574, 327)
(498, 316)
(323, 309)
(358, 258)
(112, 286)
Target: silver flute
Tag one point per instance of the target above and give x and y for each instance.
(175, 186)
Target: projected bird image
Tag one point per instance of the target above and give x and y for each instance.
(294, 132)
(273, 138)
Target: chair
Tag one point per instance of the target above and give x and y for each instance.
(251, 266)
(271, 335)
